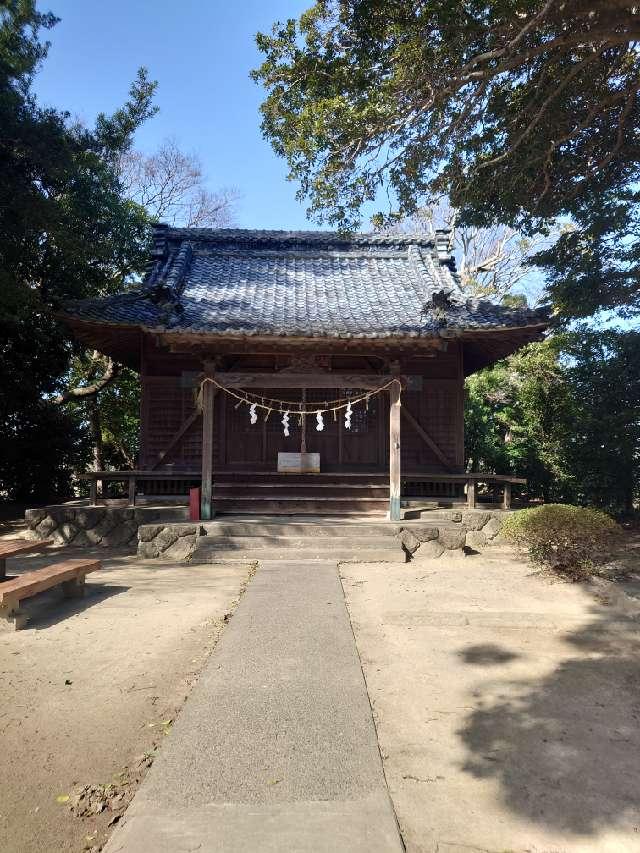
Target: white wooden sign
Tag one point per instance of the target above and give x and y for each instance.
(298, 463)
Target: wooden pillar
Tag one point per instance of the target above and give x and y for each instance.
(506, 497)
(93, 491)
(471, 493)
(394, 451)
(206, 503)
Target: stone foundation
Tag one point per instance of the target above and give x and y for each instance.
(466, 530)
(106, 526)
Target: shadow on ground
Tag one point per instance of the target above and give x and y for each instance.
(49, 608)
(566, 750)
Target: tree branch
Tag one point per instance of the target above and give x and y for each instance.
(112, 371)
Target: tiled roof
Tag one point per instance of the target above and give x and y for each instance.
(308, 284)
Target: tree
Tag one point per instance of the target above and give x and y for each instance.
(603, 371)
(491, 262)
(66, 231)
(519, 112)
(519, 416)
(565, 413)
(169, 184)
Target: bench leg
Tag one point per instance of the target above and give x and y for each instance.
(74, 588)
(12, 618)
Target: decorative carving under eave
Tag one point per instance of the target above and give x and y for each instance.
(307, 363)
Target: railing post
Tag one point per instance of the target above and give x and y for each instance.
(394, 450)
(471, 493)
(93, 491)
(506, 497)
(132, 490)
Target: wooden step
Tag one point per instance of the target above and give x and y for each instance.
(330, 477)
(304, 505)
(294, 491)
(296, 486)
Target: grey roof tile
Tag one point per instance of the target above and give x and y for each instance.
(311, 284)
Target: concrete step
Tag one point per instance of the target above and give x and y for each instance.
(299, 529)
(300, 555)
(326, 545)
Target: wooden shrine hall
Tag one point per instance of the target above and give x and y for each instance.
(301, 372)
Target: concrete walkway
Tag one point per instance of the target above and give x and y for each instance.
(275, 749)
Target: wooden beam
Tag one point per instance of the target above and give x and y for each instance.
(424, 435)
(206, 506)
(394, 451)
(193, 417)
(366, 381)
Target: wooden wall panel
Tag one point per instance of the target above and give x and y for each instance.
(167, 401)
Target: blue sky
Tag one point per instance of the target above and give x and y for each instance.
(200, 52)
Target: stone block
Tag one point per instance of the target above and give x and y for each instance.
(166, 538)
(409, 541)
(106, 524)
(81, 540)
(86, 519)
(147, 532)
(67, 532)
(430, 550)
(121, 534)
(475, 520)
(33, 517)
(182, 548)
(476, 539)
(425, 533)
(452, 538)
(492, 528)
(94, 536)
(46, 527)
(456, 515)
(148, 550)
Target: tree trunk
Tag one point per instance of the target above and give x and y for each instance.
(96, 433)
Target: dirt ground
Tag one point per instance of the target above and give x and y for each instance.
(90, 688)
(507, 703)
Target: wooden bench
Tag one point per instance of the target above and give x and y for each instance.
(70, 575)
(12, 547)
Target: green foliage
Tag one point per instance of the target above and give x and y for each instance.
(519, 418)
(568, 539)
(565, 414)
(66, 231)
(518, 112)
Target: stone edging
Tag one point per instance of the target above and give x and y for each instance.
(465, 530)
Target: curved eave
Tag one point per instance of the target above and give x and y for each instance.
(482, 347)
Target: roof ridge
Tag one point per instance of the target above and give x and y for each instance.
(243, 236)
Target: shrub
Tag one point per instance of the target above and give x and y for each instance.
(568, 539)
